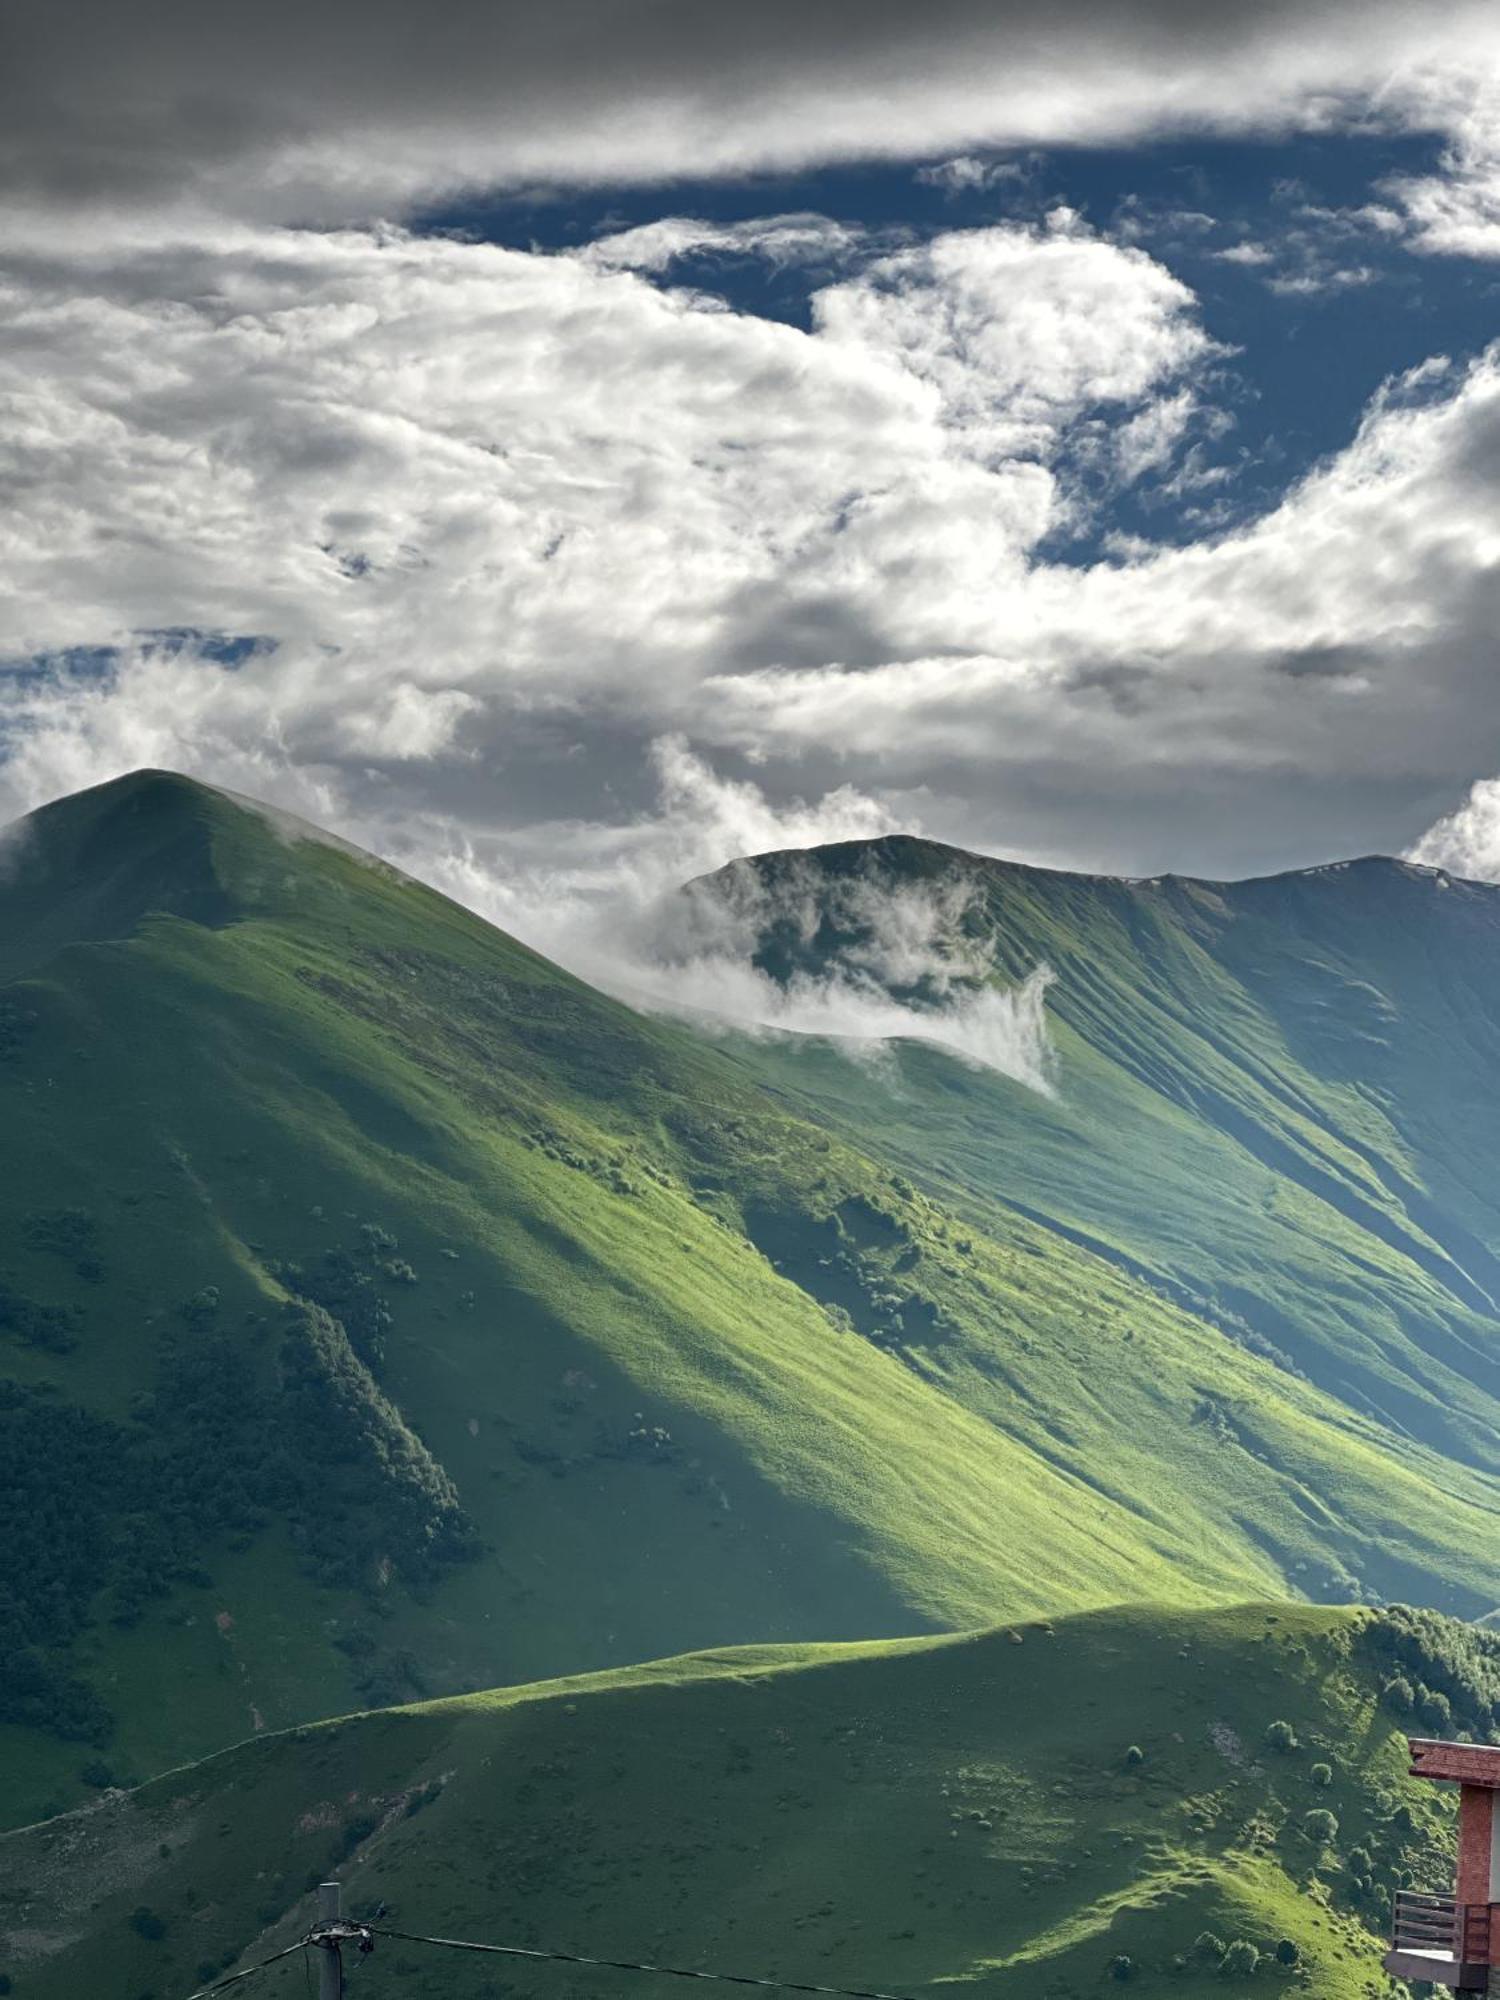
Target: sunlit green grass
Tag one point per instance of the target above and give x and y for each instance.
(248, 1045)
(1009, 1812)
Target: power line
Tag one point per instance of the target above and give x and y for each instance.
(249, 1971)
(343, 1932)
(633, 1965)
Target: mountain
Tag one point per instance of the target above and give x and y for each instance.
(384, 1312)
(1046, 1810)
(1276, 1102)
(1280, 1097)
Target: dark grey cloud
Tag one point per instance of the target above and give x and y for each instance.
(1323, 663)
(325, 106)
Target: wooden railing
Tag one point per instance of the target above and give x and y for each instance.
(1425, 1923)
(1441, 1942)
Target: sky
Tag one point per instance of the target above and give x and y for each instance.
(563, 447)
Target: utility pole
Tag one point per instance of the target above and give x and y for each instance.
(331, 1967)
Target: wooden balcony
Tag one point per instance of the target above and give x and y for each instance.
(1435, 1938)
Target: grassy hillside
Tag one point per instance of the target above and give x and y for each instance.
(1277, 1102)
(385, 1313)
(1017, 1811)
(1281, 1094)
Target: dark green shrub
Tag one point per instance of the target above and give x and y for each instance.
(1398, 1695)
(348, 1293)
(1135, 1756)
(53, 1329)
(1240, 1959)
(1207, 1946)
(147, 1924)
(1287, 1951)
(200, 1311)
(1435, 1710)
(1122, 1967)
(1429, 1652)
(1321, 1774)
(1320, 1825)
(1281, 1736)
(69, 1233)
(355, 1830)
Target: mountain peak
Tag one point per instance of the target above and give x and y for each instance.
(149, 788)
(95, 865)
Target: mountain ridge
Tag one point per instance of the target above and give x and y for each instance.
(145, 781)
(708, 1340)
(897, 843)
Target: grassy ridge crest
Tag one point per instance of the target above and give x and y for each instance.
(1020, 1810)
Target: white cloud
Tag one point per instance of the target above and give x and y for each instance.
(913, 963)
(609, 901)
(504, 518)
(1019, 330)
(1456, 210)
(446, 479)
(1149, 440)
(1344, 637)
(1337, 278)
(1467, 840)
(778, 239)
(968, 174)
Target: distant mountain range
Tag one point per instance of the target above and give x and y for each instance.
(385, 1313)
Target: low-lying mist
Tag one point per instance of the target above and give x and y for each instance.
(641, 911)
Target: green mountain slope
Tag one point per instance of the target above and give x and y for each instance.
(1277, 1102)
(1015, 1811)
(385, 1312)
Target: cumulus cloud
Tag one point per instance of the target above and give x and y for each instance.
(324, 110)
(1340, 644)
(1465, 841)
(559, 581)
(495, 521)
(1018, 330)
(451, 484)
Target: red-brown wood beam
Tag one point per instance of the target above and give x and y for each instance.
(1476, 1815)
(1460, 1763)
